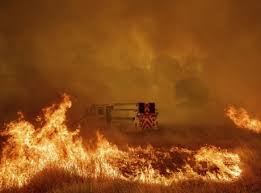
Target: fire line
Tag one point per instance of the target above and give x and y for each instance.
(30, 150)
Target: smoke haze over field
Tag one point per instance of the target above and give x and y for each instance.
(191, 57)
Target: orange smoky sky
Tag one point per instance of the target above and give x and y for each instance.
(191, 57)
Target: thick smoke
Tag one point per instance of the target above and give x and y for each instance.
(191, 57)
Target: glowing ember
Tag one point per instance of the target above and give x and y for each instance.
(30, 150)
(242, 119)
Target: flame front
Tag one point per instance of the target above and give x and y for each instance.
(29, 150)
(242, 119)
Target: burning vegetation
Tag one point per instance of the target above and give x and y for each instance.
(242, 119)
(30, 150)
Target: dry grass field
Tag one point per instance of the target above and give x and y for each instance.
(245, 143)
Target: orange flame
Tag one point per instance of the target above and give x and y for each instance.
(29, 150)
(242, 119)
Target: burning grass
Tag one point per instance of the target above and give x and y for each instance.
(242, 119)
(57, 181)
(50, 158)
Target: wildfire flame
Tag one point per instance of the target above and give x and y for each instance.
(242, 119)
(29, 150)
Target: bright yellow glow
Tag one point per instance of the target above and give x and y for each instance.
(30, 150)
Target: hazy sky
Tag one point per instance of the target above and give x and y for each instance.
(130, 50)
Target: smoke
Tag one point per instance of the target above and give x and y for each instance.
(129, 51)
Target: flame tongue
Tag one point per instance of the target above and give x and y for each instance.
(30, 150)
(242, 119)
